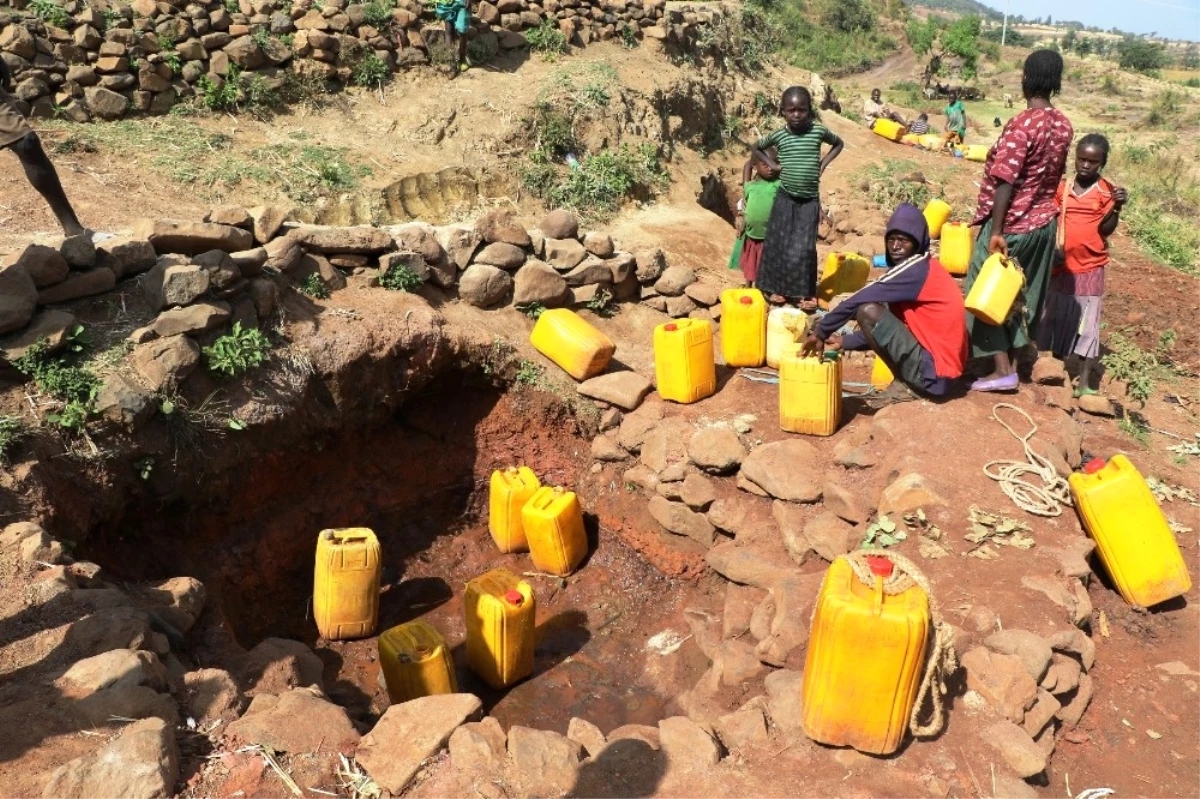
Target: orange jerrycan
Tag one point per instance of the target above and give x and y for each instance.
(415, 662)
(346, 583)
(785, 327)
(684, 368)
(956, 247)
(865, 655)
(508, 492)
(995, 289)
(936, 213)
(500, 612)
(1135, 542)
(743, 327)
(888, 128)
(881, 375)
(566, 338)
(845, 273)
(553, 523)
(810, 393)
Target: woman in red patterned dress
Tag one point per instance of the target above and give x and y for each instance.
(1019, 215)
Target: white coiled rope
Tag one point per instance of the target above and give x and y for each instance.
(1046, 499)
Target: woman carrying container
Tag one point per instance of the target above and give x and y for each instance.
(1018, 215)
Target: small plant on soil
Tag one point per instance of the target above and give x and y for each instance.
(238, 351)
(371, 71)
(314, 287)
(1135, 426)
(50, 12)
(547, 39)
(888, 185)
(378, 14)
(602, 304)
(1139, 369)
(144, 466)
(528, 373)
(882, 533)
(482, 49)
(399, 277)
(218, 95)
(61, 377)
(11, 433)
(532, 309)
(629, 37)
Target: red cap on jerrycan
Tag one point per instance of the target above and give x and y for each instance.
(670, 327)
(879, 566)
(1094, 465)
(514, 597)
(746, 300)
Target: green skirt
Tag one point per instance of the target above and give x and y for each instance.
(1034, 251)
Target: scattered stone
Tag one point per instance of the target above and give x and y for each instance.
(49, 326)
(564, 254)
(686, 744)
(116, 668)
(177, 285)
(1096, 405)
(907, 493)
(501, 225)
(560, 224)
(191, 319)
(141, 763)
(1073, 710)
(830, 536)
(611, 419)
(697, 492)
(650, 265)
(703, 294)
(283, 253)
(191, 238)
(676, 518)
(853, 456)
(230, 215)
(784, 699)
(663, 445)
(113, 628)
(626, 390)
(537, 282)
(642, 477)
(479, 746)
(669, 489)
(739, 663)
(266, 221)
(1060, 592)
(728, 515)
(166, 362)
(15, 533)
(786, 470)
(674, 280)
(363, 240)
(40, 546)
(277, 665)
(605, 448)
(791, 520)
(179, 601)
(674, 473)
(716, 449)
(484, 286)
(547, 763)
(212, 695)
(1041, 713)
(45, 265)
(125, 256)
(1002, 680)
(742, 729)
(78, 251)
(599, 244)
(740, 603)
(1077, 643)
(409, 733)
(679, 307)
(743, 565)
(1063, 675)
(460, 243)
(505, 256)
(840, 501)
(78, 284)
(297, 721)
(1049, 371)
(1017, 748)
(1033, 650)
(585, 733)
(590, 273)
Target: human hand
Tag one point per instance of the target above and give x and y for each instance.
(773, 171)
(833, 343)
(1120, 196)
(812, 345)
(998, 244)
(740, 225)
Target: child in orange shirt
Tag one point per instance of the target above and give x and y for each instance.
(1070, 322)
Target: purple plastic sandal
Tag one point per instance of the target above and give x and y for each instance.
(1007, 383)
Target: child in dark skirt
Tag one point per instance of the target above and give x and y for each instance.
(758, 197)
(1090, 210)
(788, 269)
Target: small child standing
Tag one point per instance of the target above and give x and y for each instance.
(956, 120)
(920, 125)
(457, 16)
(1090, 210)
(788, 269)
(758, 196)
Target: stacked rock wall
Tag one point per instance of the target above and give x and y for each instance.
(103, 59)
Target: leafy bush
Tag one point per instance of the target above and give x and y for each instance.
(848, 16)
(378, 13)
(743, 41)
(547, 39)
(887, 187)
(1139, 369)
(220, 95)
(482, 49)
(11, 432)
(400, 277)
(61, 377)
(238, 351)
(1142, 56)
(371, 71)
(629, 37)
(532, 309)
(314, 287)
(604, 180)
(50, 12)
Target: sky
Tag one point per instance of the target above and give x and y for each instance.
(1175, 19)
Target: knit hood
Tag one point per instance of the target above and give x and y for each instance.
(909, 220)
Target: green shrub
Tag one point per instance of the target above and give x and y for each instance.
(604, 180)
(887, 188)
(238, 351)
(482, 49)
(547, 39)
(315, 287)
(378, 13)
(371, 71)
(220, 95)
(400, 277)
(63, 378)
(50, 12)
(1140, 370)
(11, 433)
(532, 309)
(629, 37)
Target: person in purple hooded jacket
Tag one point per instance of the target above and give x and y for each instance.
(913, 317)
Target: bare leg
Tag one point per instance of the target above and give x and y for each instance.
(44, 178)
(462, 49)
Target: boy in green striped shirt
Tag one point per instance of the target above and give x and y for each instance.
(788, 270)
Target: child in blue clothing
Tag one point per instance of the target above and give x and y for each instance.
(457, 16)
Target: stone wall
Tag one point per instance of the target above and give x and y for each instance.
(109, 59)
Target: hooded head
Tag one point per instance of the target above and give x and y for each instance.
(909, 220)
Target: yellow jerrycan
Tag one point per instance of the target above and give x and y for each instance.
(936, 213)
(976, 152)
(911, 139)
(995, 289)
(346, 583)
(553, 522)
(508, 492)
(684, 366)
(785, 326)
(500, 612)
(415, 662)
(888, 128)
(845, 273)
(566, 338)
(866, 653)
(881, 375)
(932, 141)
(810, 393)
(955, 254)
(743, 327)
(1132, 536)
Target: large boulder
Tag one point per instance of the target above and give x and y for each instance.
(114, 668)
(166, 362)
(50, 326)
(266, 221)
(790, 470)
(191, 319)
(626, 389)
(278, 664)
(45, 265)
(300, 720)
(191, 238)
(19, 297)
(502, 225)
(564, 254)
(484, 286)
(716, 449)
(460, 243)
(211, 695)
(409, 733)
(547, 764)
(505, 256)
(140, 763)
(560, 224)
(537, 282)
(125, 256)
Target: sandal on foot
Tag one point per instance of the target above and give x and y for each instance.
(1010, 382)
(1082, 392)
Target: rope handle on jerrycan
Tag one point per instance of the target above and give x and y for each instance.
(942, 660)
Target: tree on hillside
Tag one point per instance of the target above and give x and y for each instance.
(1084, 46)
(849, 16)
(1140, 55)
(960, 39)
(1069, 41)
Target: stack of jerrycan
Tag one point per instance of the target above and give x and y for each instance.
(546, 520)
(508, 492)
(810, 393)
(936, 213)
(684, 365)
(1133, 538)
(743, 327)
(346, 583)
(500, 612)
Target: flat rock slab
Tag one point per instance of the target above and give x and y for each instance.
(679, 519)
(716, 449)
(298, 721)
(547, 763)
(192, 238)
(789, 470)
(626, 390)
(409, 733)
(141, 763)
